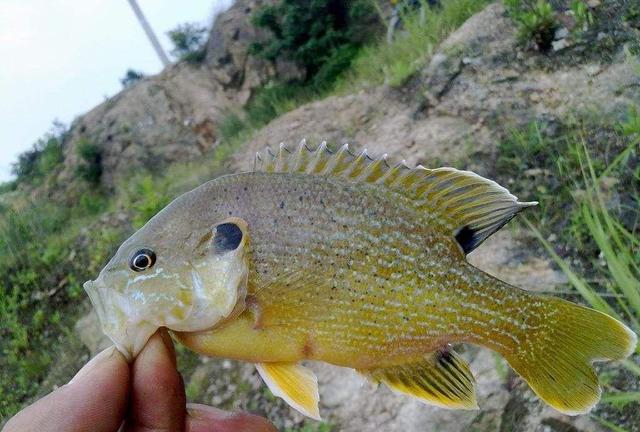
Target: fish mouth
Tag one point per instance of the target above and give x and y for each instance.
(118, 322)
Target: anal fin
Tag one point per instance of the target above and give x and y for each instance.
(294, 383)
(442, 378)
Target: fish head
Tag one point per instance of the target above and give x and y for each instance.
(184, 276)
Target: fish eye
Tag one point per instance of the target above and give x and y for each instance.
(142, 260)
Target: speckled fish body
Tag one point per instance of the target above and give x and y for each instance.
(345, 259)
(357, 276)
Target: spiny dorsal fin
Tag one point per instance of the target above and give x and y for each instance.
(471, 207)
(442, 379)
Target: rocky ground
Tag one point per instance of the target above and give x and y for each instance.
(453, 112)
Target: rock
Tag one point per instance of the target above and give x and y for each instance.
(174, 115)
(228, 57)
(561, 44)
(562, 33)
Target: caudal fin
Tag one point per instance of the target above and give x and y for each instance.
(556, 353)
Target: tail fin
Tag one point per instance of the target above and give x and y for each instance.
(557, 354)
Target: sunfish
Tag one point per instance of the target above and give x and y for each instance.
(346, 259)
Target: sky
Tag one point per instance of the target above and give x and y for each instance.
(60, 58)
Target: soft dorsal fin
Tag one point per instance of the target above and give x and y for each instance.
(442, 379)
(470, 206)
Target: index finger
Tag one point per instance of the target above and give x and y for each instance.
(158, 401)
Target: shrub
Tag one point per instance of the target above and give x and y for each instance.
(231, 126)
(582, 15)
(313, 34)
(45, 155)
(130, 78)
(189, 42)
(90, 166)
(536, 21)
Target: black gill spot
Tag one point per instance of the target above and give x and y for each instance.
(445, 357)
(465, 238)
(228, 237)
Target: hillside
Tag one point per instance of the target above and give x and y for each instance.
(463, 89)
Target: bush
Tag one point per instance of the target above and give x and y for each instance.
(536, 21)
(46, 154)
(90, 167)
(231, 126)
(130, 78)
(189, 42)
(313, 34)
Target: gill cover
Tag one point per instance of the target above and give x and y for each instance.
(205, 288)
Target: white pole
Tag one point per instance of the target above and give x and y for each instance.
(149, 31)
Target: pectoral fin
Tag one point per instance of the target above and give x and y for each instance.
(442, 378)
(294, 383)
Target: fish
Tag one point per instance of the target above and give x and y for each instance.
(348, 259)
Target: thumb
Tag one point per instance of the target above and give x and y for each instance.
(94, 400)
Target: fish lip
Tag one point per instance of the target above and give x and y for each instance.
(97, 299)
(129, 337)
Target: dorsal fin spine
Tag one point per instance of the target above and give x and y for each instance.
(318, 162)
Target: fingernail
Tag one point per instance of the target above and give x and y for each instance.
(99, 358)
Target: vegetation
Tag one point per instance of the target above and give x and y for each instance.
(588, 222)
(396, 62)
(319, 36)
(536, 21)
(130, 78)
(43, 264)
(90, 166)
(45, 156)
(189, 42)
(373, 64)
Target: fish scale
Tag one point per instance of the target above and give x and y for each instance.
(347, 259)
(295, 243)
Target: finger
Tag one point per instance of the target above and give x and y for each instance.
(94, 400)
(203, 418)
(158, 401)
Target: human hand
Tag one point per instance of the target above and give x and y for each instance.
(145, 396)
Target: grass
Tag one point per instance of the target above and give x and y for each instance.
(619, 247)
(43, 264)
(393, 64)
(612, 284)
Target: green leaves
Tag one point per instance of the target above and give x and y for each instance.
(312, 33)
(189, 40)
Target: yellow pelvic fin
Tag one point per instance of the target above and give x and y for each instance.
(471, 207)
(294, 383)
(442, 379)
(555, 356)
